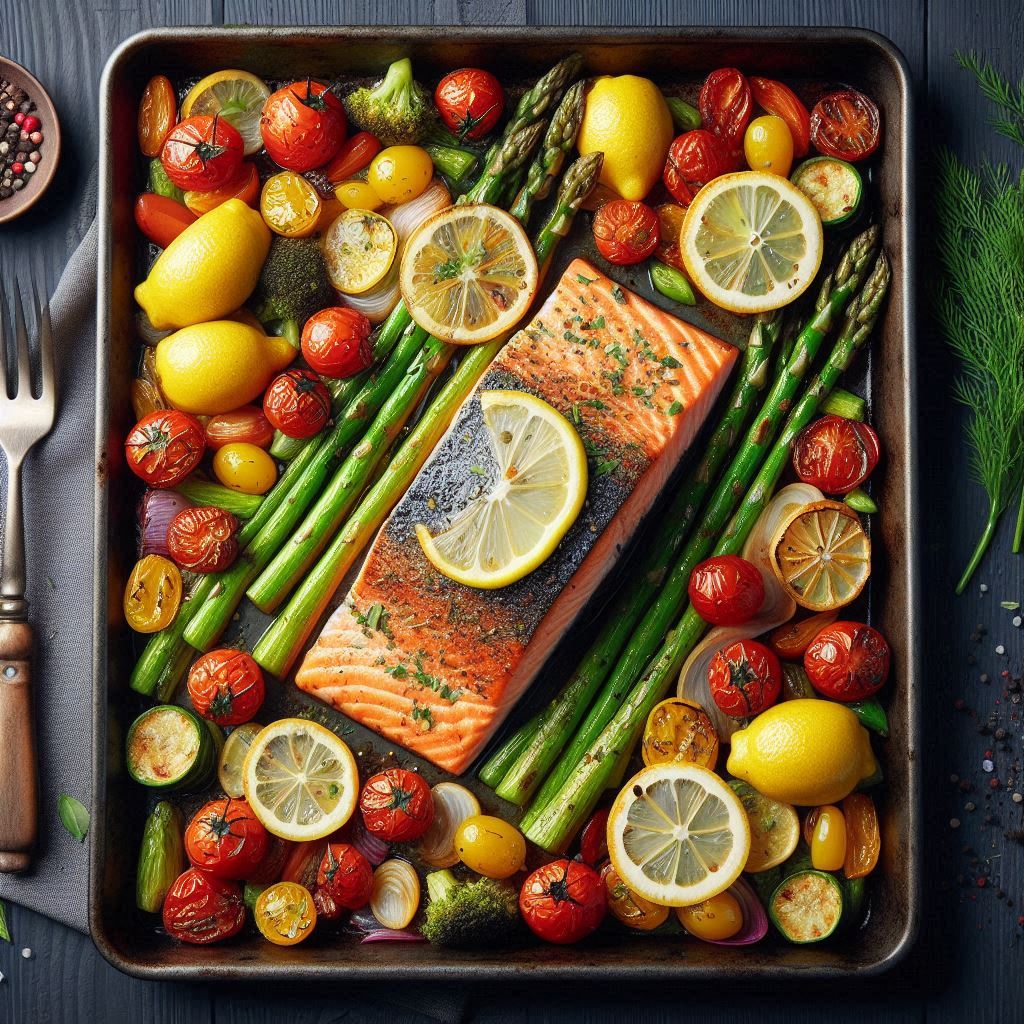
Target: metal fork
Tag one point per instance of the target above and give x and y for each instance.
(24, 420)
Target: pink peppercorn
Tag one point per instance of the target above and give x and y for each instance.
(982, 882)
(19, 118)
(24, 136)
(35, 138)
(18, 168)
(31, 124)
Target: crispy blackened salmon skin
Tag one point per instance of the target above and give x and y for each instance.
(434, 665)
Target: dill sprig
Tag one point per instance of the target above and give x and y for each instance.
(1000, 92)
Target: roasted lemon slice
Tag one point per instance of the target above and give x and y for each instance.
(751, 241)
(679, 730)
(677, 834)
(822, 556)
(359, 249)
(538, 485)
(238, 97)
(232, 758)
(300, 780)
(468, 274)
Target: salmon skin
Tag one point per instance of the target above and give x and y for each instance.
(434, 665)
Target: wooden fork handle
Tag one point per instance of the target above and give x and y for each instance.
(18, 771)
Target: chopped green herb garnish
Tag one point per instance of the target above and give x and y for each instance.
(618, 295)
(597, 324)
(606, 467)
(616, 352)
(585, 280)
(478, 470)
(671, 362)
(674, 409)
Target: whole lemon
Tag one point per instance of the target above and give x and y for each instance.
(209, 270)
(806, 752)
(216, 367)
(628, 120)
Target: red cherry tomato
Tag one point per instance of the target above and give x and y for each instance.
(594, 838)
(836, 454)
(563, 902)
(726, 590)
(270, 868)
(226, 686)
(161, 219)
(164, 447)
(397, 805)
(297, 403)
(848, 661)
(725, 104)
(303, 125)
(203, 539)
(226, 839)
(778, 99)
(745, 678)
(247, 425)
(354, 155)
(694, 159)
(470, 102)
(202, 153)
(201, 909)
(302, 863)
(846, 125)
(626, 231)
(336, 342)
(346, 876)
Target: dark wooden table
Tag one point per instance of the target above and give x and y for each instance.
(967, 965)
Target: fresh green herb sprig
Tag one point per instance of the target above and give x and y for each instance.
(1008, 99)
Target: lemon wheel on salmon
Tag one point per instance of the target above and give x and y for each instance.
(300, 779)
(237, 96)
(469, 273)
(677, 834)
(535, 488)
(751, 241)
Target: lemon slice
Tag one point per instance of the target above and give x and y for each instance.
(677, 834)
(679, 730)
(300, 780)
(537, 485)
(238, 97)
(359, 249)
(232, 758)
(822, 556)
(468, 273)
(751, 241)
(774, 828)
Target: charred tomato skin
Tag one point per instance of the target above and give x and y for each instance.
(777, 98)
(303, 126)
(846, 125)
(345, 876)
(202, 153)
(695, 158)
(726, 590)
(835, 454)
(745, 678)
(470, 102)
(336, 342)
(164, 447)
(226, 686)
(297, 403)
(725, 103)
(594, 838)
(200, 908)
(203, 539)
(848, 661)
(563, 902)
(225, 839)
(626, 231)
(397, 805)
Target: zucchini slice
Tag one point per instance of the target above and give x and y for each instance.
(806, 907)
(170, 747)
(833, 186)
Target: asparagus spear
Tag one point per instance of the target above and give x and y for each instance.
(283, 640)
(836, 293)
(560, 819)
(543, 745)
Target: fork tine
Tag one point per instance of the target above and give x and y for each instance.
(23, 386)
(46, 374)
(5, 327)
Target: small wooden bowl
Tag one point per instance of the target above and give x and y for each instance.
(36, 184)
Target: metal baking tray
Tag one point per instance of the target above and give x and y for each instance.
(678, 59)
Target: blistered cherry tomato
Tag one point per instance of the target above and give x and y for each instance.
(202, 153)
(694, 159)
(152, 594)
(848, 661)
(400, 173)
(490, 846)
(778, 99)
(200, 908)
(226, 839)
(245, 185)
(303, 125)
(357, 195)
(244, 467)
(828, 839)
(714, 919)
(336, 342)
(346, 876)
(161, 219)
(397, 805)
(290, 205)
(626, 231)
(563, 901)
(768, 146)
(353, 156)
(285, 913)
(594, 838)
(745, 678)
(164, 447)
(226, 686)
(629, 907)
(246, 424)
(846, 125)
(203, 539)
(158, 111)
(470, 102)
(670, 224)
(726, 590)
(725, 104)
(297, 403)
(836, 454)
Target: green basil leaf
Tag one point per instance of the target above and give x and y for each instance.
(73, 816)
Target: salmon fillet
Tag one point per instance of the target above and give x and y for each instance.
(435, 666)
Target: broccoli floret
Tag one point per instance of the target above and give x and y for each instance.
(397, 110)
(466, 915)
(293, 285)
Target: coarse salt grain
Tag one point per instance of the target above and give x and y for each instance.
(1017, 620)
(1000, 649)
(983, 588)
(987, 766)
(1017, 798)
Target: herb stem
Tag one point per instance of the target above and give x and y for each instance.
(981, 547)
(1018, 532)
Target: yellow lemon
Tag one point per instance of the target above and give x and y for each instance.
(805, 752)
(209, 270)
(216, 367)
(628, 120)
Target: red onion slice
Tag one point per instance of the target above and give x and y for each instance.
(375, 850)
(392, 935)
(755, 920)
(156, 510)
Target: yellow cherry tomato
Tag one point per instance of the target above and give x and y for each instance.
(768, 146)
(244, 467)
(828, 839)
(400, 173)
(290, 205)
(153, 594)
(285, 914)
(357, 195)
(629, 907)
(490, 846)
(717, 918)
